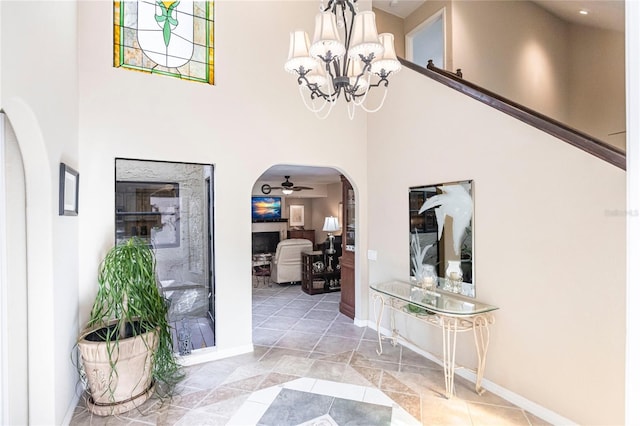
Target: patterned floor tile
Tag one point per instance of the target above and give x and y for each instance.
(302, 343)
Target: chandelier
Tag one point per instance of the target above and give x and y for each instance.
(331, 67)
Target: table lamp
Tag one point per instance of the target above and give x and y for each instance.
(331, 225)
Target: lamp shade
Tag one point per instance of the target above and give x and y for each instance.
(299, 52)
(388, 62)
(364, 38)
(326, 42)
(331, 224)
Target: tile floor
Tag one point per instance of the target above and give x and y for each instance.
(312, 366)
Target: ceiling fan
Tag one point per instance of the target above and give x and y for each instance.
(287, 187)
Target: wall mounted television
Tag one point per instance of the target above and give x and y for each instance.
(265, 209)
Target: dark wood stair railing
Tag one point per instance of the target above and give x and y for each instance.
(583, 141)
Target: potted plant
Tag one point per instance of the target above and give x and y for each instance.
(126, 349)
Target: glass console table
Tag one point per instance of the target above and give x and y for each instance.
(452, 313)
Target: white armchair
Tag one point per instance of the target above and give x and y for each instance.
(286, 264)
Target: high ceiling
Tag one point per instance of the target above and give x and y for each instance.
(602, 14)
(400, 8)
(607, 14)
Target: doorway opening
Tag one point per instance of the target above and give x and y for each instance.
(170, 205)
(298, 278)
(427, 41)
(14, 393)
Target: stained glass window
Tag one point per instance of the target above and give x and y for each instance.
(172, 38)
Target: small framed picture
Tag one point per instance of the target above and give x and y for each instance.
(69, 184)
(296, 215)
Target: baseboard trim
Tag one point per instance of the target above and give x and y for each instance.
(514, 398)
(360, 323)
(74, 403)
(198, 356)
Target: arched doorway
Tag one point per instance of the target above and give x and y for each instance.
(305, 199)
(42, 348)
(13, 270)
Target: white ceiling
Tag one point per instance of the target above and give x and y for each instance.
(301, 175)
(400, 8)
(607, 14)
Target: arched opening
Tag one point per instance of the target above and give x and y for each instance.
(38, 239)
(13, 270)
(299, 283)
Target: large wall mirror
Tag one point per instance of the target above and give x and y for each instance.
(441, 236)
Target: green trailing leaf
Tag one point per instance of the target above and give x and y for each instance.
(128, 294)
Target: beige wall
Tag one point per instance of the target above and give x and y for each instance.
(632, 370)
(39, 94)
(549, 243)
(323, 207)
(543, 342)
(243, 125)
(388, 23)
(318, 203)
(572, 73)
(426, 11)
(597, 88)
(516, 49)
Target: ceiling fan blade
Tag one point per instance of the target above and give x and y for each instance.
(286, 185)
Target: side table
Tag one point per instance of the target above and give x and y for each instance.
(452, 313)
(261, 267)
(316, 278)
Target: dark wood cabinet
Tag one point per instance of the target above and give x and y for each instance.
(307, 234)
(347, 260)
(315, 276)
